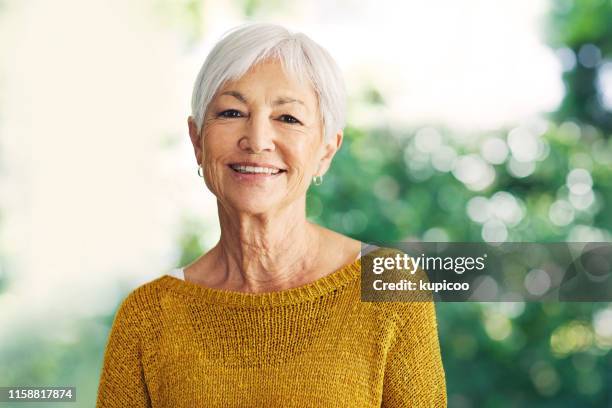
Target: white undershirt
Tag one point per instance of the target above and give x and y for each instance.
(180, 272)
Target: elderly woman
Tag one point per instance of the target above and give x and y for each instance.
(272, 315)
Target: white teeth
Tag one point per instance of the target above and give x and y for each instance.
(253, 170)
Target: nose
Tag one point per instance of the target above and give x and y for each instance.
(258, 134)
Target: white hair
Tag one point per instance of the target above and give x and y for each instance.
(302, 59)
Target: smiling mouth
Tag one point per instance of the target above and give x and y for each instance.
(255, 170)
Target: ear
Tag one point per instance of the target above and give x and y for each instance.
(196, 140)
(329, 151)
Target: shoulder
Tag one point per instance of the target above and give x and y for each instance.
(146, 292)
(418, 314)
(141, 303)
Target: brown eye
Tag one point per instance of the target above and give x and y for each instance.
(230, 113)
(289, 119)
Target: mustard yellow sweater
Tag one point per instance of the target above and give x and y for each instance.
(177, 344)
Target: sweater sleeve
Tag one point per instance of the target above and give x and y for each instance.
(122, 382)
(414, 375)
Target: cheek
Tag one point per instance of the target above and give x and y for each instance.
(217, 142)
(216, 146)
(306, 155)
(302, 158)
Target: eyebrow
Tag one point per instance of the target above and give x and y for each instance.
(279, 101)
(284, 100)
(236, 95)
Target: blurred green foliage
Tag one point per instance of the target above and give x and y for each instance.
(581, 32)
(73, 360)
(385, 187)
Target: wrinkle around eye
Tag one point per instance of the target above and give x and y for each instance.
(290, 119)
(229, 114)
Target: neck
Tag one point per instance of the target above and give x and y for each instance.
(265, 252)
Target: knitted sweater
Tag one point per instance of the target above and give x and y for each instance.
(174, 343)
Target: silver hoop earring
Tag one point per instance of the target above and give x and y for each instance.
(200, 170)
(317, 180)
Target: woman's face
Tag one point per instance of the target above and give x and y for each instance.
(262, 141)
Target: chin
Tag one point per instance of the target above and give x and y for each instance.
(253, 206)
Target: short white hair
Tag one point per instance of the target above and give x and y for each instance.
(301, 58)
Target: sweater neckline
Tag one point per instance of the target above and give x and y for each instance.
(309, 291)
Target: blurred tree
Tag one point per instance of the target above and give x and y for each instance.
(581, 32)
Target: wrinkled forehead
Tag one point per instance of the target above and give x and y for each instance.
(272, 76)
